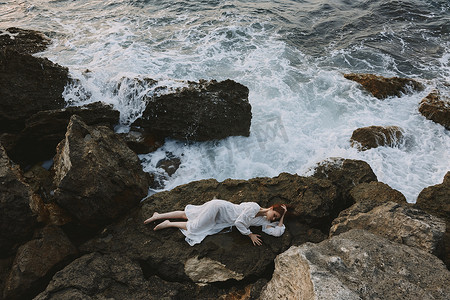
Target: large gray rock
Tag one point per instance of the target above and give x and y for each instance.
(202, 111)
(382, 87)
(36, 260)
(98, 178)
(357, 265)
(17, 221)
(397, 223)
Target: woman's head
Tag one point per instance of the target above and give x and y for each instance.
(275, 212)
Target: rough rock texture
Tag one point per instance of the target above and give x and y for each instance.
(357, 265)
(27, 85)
(45, 129)
(374, 136)
(401, 224)
(371, 194)
(312, 199)
(23, 40)
(382, 87)
(436, 201)
(36, 261)
(17, 221)
(110, 276)
(345, 174)
(436, 107)
(202, 111)
(98, 177)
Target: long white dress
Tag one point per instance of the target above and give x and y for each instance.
(215, 215)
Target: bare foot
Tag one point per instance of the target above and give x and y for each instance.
(153, 218)
(162, 225)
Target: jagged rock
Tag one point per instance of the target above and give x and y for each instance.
(401, 224)
(374, 136)
(345, 174)
(23, 40)
(170, 164)
(36, 261)
(436, 107)
(382, 87)
(202, 111)
(371, 194)
(17, 220)
(45, 129)
(142, 142)
(357, 265)
(313, 200)
(436, 201)
(28, 85)
(98, 177)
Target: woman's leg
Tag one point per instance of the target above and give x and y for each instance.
(167, 224)
(179, 214)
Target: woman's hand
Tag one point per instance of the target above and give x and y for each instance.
(255, 239)
(283, 206)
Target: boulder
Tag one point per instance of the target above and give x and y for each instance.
(98, 178)
(436, 107)
(45, 129)
(382, 87)
(436, 201)
(23, 40)
(17, 221)
(374, 136)
(357, 265)
(368, 195)
(398, 223)
(36, 261)
(311, 199)
(202, 111)
(28, 85)
(142, 142)
(345, 174)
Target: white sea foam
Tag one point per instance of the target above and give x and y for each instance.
(304, 111)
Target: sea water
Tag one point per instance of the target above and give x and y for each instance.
(290, 54)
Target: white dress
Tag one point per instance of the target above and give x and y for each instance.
(215, 215)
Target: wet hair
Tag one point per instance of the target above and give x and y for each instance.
(278, 209)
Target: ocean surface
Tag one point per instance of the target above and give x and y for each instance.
(290, 54)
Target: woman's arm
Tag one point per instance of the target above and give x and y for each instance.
(280, 223)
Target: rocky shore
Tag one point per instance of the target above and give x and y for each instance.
(75, 230)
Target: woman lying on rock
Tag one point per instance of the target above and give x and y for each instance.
(215, 215)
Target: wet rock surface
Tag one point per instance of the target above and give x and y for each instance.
(436, 107)
(357, 265)
(382, 87)
(23, 40)
(374, 136)
(203, 111)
